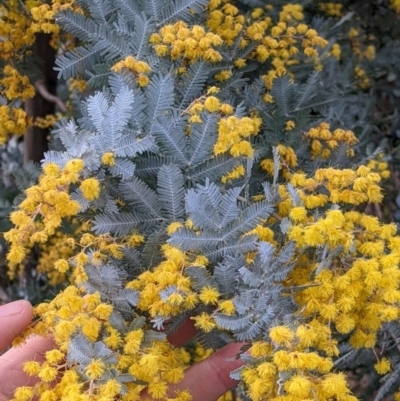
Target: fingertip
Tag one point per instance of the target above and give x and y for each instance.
(26, 308)
(14, 318)
(16, 308)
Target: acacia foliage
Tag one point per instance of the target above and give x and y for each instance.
(215, 173)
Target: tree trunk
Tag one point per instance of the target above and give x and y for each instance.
(36, 139)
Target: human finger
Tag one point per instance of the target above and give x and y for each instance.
(183, 334)
(11, 364)
(210, 378)
(14, 318)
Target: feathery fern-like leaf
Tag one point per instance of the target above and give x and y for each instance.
(171, 192)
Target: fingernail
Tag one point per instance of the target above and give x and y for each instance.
(11, 309)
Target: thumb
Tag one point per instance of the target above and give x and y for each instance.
(14, 318)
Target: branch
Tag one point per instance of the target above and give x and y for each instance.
(43, 91)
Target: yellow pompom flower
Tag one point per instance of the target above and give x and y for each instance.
(108, 159)
(47, 373)
(227, 307)
(54, 356)
(90, 188)
(23, 393)
(95, 369)
(204, 322)
(143, 80)
(298, 386)
(383, 366)
(298, 214)
(211, 104)
(51, 169)
(282, 335)
(209, 295)
(174, 226)
(103, 311)
(74, 165)
(31, 368)
(260, 349)
(61, 265)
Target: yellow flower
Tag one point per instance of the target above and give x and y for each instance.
(266, 370)
(212, 90)
(226, 108)
(31, 368)
(108, 159)
(110, 389)
(132, 341)
(204, 322)
(290, 125)
(334, 385)
(209, 295)
(282, 360)
(383, 366)
(174, 226)
(195, 119)
(51, 169)
(175, 299)
(16, 254)
(143, 80)
(298, 214)
(90, 188)
(227, 307)
(95, 369)
(103, 311)
(135, 240)
(61, 265)
(91, 328)
(282, 335)
(54, 356)
(47, 373)
(211, 104)
(260, 349)
(237, 172)
(74, 165)
(23, 393)
(298, 386)
(158, 389)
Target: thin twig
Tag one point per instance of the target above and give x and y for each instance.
(43, 91)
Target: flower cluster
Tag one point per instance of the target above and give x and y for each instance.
(278, 43)
(179, 41)
(19, 24)
(15, 30)
(15, 86)
(43, 16)
(165, 291)
(139, 68)
(285, 369)
(234, 133)
(331, 9)
(46, 122)
(14, 121)
(129, 353)
(44, 207)
(288, 160)
(323, 141)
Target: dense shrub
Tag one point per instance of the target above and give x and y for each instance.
(219, 171)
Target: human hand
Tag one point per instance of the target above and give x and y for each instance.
(206, 380)
(14, 318)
